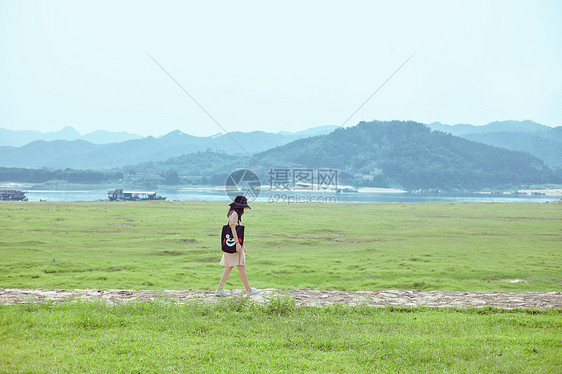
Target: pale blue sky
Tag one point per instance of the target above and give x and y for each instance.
(290, 65)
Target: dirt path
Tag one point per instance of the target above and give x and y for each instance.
(303, 297)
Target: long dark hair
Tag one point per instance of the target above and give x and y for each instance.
(238, 205)
(240, 211)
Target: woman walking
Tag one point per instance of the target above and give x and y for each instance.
(238, 259)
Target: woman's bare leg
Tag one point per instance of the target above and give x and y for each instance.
(225, 274)
(244, 277)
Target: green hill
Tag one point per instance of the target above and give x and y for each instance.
(410, 155)
(527, 136)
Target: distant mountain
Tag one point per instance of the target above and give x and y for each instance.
(527, 136)
(106, 137)
(409, 155)
(79, 154)
(40, 153)
(391, 154)
(319, 130)
(18, 138)
(547, 149)
(526, 127)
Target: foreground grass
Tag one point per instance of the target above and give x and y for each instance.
(239, 335)
(174, 245)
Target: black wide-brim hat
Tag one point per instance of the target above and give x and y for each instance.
(239, 202)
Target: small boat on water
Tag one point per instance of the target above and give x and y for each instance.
(12, 195)
(119, 195)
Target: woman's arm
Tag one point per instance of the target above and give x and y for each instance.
(233, 221)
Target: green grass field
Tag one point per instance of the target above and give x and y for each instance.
(239, 336)
(174, 245)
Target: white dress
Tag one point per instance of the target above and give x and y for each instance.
(233, 259)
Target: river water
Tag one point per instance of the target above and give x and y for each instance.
(290, 197)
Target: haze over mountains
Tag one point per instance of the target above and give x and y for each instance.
(103, 149)
(78, 153)
(527, 136)
(391, 153)
(18, 138)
